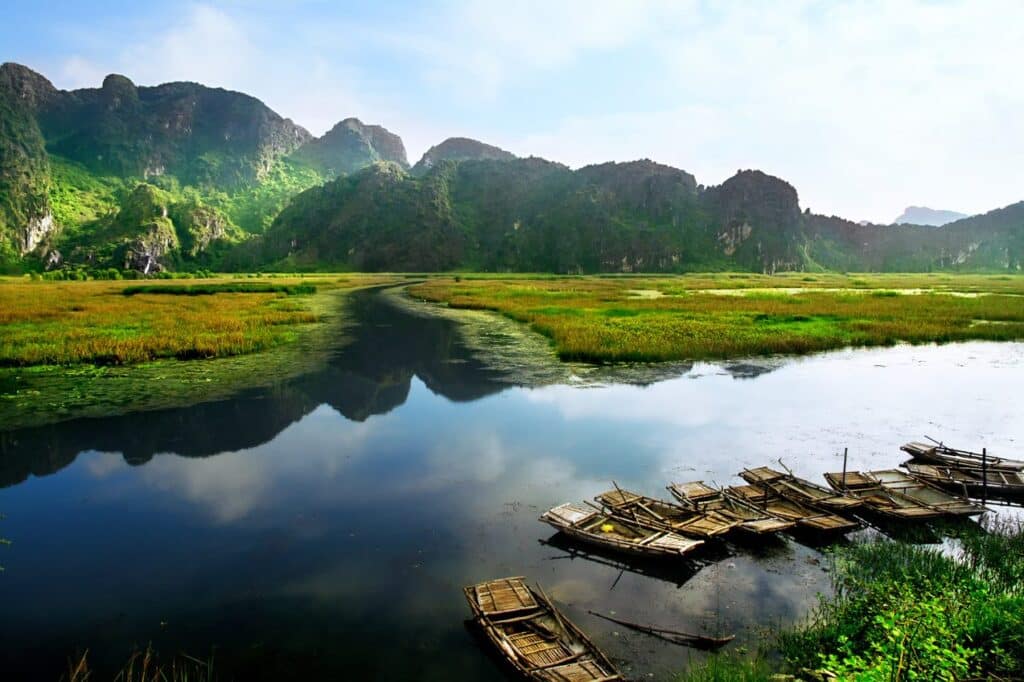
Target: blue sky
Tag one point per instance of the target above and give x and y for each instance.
(865, 107)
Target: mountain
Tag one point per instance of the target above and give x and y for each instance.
(922, 215)
(71, 162)
(460, 149)
(536, 215)
(183, 176)
(351, 145)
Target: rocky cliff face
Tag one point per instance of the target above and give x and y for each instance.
(350, 146)
(199, 134)
(26, 219)
(460, 149)
(756, 220)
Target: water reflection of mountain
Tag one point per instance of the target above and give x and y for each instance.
(372, 375)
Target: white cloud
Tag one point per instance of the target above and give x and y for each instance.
(864, 106)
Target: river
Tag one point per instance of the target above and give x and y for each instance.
(323, 527)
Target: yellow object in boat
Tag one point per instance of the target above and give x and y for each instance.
(607, 528)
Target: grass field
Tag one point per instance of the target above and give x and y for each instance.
(627, 318)
(117, 322)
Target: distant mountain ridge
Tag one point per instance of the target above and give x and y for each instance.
(182, 176)
(922, 215)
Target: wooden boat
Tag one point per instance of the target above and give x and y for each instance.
(599, 528)
(533, 636)
(699, 496)
(660, 515)
(998, 484)
(807, 518)
(800, 490)
(937, 453)
(896, 494)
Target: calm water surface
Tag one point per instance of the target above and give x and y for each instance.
(324, 527)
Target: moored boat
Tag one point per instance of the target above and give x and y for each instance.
(658, 514)
(998, 484)
(894, 480)
(699, 496)
(536, 639)
(807, 518)
(600, 528)
(800, 490)
(938, 453)
(896, 494)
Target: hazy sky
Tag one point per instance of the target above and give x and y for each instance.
(865, 107)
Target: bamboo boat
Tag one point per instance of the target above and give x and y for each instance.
(660, 515)
(699, 496)
(807, 518)
(800, 490)
(1005, 485)
(896, 494)
(533, 636)
(944, 455)
(588, 524)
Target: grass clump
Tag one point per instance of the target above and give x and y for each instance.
(902, 613)
(907, 612)
(147, 666)
(718, 316)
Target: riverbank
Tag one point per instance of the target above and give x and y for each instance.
(906, 612)
(119, 323)
(282, 335)
(731, 315)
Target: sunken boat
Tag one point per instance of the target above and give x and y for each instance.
(896, 494)
(800, 490)
(589, 524)
(660, 515)
(533, 636)
(699, 496)
(938, 453)
(975, 483)
(808, 519)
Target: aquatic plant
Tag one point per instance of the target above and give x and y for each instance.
(147, 666)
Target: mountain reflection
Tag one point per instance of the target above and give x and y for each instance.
(370, 376)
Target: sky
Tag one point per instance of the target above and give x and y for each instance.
(865, 106)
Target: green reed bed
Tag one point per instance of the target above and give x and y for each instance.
(608, 319)
(903, 612)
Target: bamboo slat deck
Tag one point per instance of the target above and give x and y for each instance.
(892, 492)
(660, 515)
(533, 636)
(590, 525)
(807, 518)
(699, 496)
(1006, 485)
(800, 490)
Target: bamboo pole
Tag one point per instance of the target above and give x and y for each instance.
(846, 451)
(984, 476)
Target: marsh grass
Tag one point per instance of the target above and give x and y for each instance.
(115, 323)
(600, 319)
(225, 288)
(146, 666)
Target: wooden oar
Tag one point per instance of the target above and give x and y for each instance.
(673, 636)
